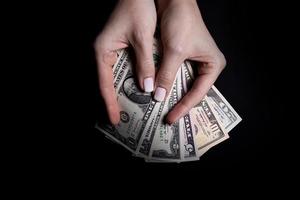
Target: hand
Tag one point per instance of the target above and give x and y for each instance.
(185, 36)
(132, 23)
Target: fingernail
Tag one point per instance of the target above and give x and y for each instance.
(148, 84)
(160, 94)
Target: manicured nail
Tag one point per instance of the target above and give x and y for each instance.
(148, 84)
(160, 94)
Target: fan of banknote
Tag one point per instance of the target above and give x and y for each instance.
(142, 129)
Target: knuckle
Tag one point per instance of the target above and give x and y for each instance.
(221, 61)
(101, 43)
(166, 78)
(146, 63)
(185, 104)
(141, 35)
(175, 49)
(97, 42)
(146, 67)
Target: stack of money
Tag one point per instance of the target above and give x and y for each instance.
(142, 129)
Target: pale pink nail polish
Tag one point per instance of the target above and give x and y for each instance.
(160, 94)
(148, 84)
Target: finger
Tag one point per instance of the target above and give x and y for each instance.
(166, 75)
(143, 46)
(208, 74)
(105, 60)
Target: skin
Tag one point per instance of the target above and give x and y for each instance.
(133, 24)
(183, 36)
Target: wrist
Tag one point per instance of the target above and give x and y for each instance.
(163, 4)
(135, 1)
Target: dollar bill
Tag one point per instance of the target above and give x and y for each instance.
(136, 107)
(223, 111)
(121, 58)
(166, 142)
(142, 129)
(149, 130)
(205, 128)
(188, 148)
(208, 132)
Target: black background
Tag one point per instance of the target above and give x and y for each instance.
(251, 36)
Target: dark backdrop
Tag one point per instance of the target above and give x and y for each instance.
(254, 82)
